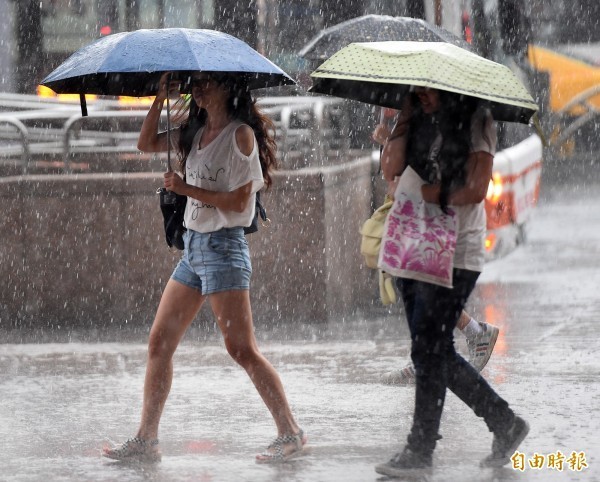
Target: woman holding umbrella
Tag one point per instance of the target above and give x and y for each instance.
(227, 154)
(480, 336)
(449, 141)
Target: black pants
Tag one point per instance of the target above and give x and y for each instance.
(433, 312)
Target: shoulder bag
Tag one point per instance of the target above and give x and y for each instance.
(419, 239)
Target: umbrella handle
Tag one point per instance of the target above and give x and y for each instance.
(381, 120)
(84, 111)
(169, 168)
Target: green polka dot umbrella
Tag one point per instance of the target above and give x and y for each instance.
(380, 73)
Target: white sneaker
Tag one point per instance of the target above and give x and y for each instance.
(481, 346)
(404, 376)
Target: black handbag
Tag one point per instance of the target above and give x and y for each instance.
(259, 210)
(172, 206)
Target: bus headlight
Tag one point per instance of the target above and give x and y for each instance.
(495, 188)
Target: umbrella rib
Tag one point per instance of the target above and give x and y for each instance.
(187, 40)
(422, 79)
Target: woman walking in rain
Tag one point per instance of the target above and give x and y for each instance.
(480, 336)
(227, 154)
(449, 141)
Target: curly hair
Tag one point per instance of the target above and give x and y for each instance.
(240, 106)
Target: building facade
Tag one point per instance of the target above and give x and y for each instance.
(44, 32)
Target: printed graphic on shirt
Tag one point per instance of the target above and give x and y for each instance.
(197, 206)
(204, 173)
(207, 175)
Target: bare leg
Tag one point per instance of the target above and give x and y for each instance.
(234, 316)
(177, 309)
(463, 321)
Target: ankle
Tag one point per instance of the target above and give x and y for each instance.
(501, 429)
(147, 433)
(146, 439)
(291, 431)
(472, 329)
(295, 437)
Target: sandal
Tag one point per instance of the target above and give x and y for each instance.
(135, 449)
(275, 452)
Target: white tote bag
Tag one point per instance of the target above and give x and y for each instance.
(419, 239)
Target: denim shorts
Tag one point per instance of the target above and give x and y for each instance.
(213, 262)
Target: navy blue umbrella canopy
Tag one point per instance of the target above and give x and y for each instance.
(131, 63)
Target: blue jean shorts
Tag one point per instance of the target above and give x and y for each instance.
(213, 262)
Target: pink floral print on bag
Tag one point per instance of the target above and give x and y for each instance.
(419, 239)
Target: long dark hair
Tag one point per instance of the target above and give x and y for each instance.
(453, 120)
(241, 106)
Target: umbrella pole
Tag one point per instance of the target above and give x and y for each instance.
(169, 168)
(83, 103)
(381, 121)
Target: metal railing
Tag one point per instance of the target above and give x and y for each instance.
(32, 128)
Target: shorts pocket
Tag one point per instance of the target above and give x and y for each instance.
(221, 244)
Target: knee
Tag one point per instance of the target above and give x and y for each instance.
(242, 354)
(159, 346)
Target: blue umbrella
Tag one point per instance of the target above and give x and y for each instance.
(131, 63)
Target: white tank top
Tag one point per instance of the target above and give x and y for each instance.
(221, 166)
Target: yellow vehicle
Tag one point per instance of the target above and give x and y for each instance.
(573, 92)
(564, 44)
(555, 48)
(572, 70)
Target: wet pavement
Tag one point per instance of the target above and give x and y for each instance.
(64, 399)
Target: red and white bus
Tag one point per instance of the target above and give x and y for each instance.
(512, 195)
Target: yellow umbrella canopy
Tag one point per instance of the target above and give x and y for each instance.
(381, 72)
